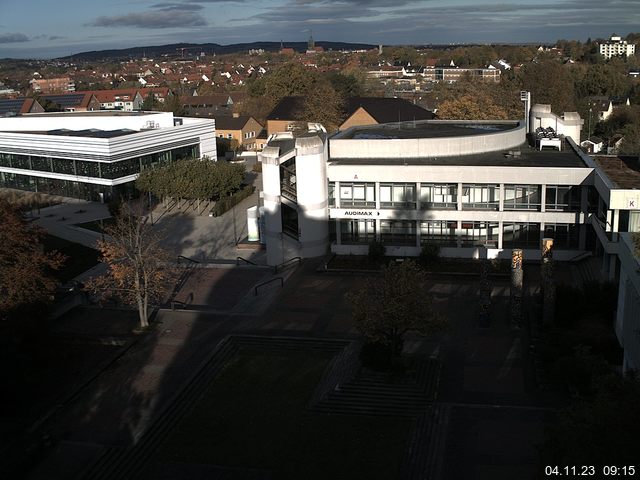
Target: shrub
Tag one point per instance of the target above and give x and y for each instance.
(429, 254)
(376, 251)
(226, 203)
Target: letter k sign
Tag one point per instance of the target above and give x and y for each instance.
(632, 204)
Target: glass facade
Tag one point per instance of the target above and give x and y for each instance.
(83, 168)
(522, 197)
(439, 232)
(398, 232)
(288, 179)
(563, 198)
(357, 231)
(521, 235)
(480, 197)
(479, 233)
(357, 195)
(398, 195)
(565, 235)
(439, 196)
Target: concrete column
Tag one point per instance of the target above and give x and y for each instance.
(418, 233)
(377, 187)
(609, 224)
(418, 206)
(500, 233)
(517, 277)
(616, 222)
(272, 207)
(459, 199)
(313, 209)
(543, 197)
(501, 199)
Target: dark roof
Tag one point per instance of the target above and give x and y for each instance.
(528, 158)
(388, 110)
(424, 129)
(206, 100)
(91, 132)
(383, 110)
(11, 105)
(289, 108)
(624, 172)
(227, 122)
(66, 100)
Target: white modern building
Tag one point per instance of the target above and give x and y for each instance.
(95, 155)
(617, 47)
(475, 189)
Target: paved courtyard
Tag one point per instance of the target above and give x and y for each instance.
(489, 411)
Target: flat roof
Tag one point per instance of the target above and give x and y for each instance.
(529, 157)
(623, 171)
(90, 132)
(94, 113)
(423, 129)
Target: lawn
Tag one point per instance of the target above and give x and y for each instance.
(79, 258)
(255, 416)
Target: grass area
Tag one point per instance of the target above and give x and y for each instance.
(255, 416)
(79, 258)
(97, 225)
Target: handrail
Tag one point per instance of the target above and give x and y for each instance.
(255, 289)
(182, 305)
(187, 258)
(299, 259)
(244, 260)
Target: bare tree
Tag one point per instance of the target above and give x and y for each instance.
(140, 272)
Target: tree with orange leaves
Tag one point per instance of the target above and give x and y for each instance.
(139, 272)
(24, 267)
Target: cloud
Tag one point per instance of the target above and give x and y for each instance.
(13, 38)
(183, 7)
(158, 19)
(56, 37)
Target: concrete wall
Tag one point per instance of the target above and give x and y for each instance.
(428, 147)
(569, 125)
(83, 121)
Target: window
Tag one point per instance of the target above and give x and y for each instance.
(290, 221)
(357, 195)
(398, 195)
(398, 232)
(357, 231)
(564, 198)
(438, 232)
(521, 197)
(521, 235)
(479, 233)
(439, 196)
(565, 235)
(229, 135)
(288, 180)
(480, 197)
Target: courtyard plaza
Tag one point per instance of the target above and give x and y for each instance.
(485, 419)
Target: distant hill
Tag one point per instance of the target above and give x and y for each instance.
(191, 49)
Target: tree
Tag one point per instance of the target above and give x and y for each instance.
(24, 267)
(150, 103)
(138, 266)
(471, 107)
(390, 306)
(550, 83)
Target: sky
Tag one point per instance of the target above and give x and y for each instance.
(52, 28)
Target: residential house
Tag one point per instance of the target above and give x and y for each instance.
(16, 106)
(241, 128)
(70, 102)
(53, 85)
